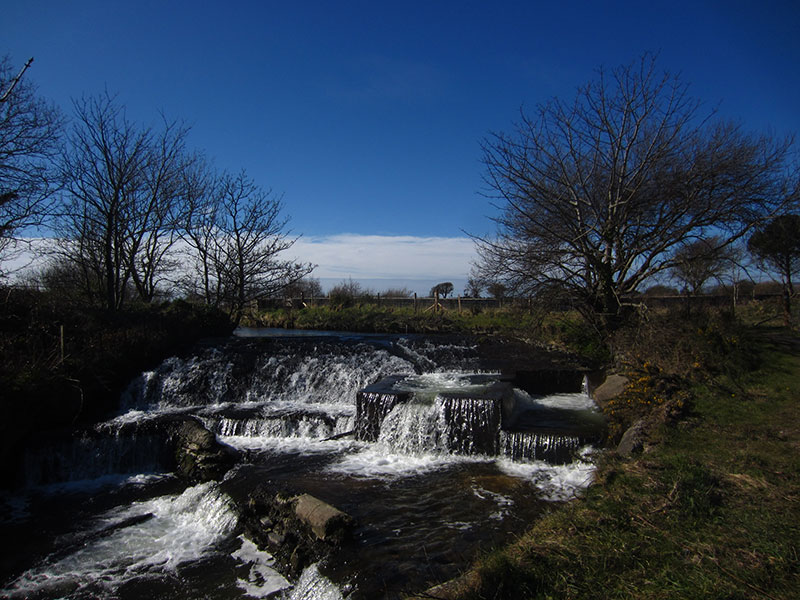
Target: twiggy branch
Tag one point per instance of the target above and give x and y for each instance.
(16, 80)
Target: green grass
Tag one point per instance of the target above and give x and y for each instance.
(374, 318)
(711, 511)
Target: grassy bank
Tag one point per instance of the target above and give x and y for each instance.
(710, 510)
(565, 331)
(375, 318)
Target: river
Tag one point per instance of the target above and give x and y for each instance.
(100, 515)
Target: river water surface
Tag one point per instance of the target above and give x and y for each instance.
(100, 517)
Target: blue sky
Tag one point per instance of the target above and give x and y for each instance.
(368, 116)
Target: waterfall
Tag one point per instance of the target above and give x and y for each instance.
(90, 454)
(552, 447)
(312, 585)
(160, 533)
(322, 374)
(372, 408)
(417, 407)
(472, 424)
(415, 428)
(288, 425)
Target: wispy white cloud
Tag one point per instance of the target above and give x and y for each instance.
(387, 257)
(377, 261)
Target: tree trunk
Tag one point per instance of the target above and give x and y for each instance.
(787, 305)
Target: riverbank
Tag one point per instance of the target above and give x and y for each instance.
(62, 364)
(561, 331)
(710, 509)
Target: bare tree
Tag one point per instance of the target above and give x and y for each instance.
(347, 292)
(198, 225)
(154, 233)
(701, 261)
(496, 290)
(474, 287)
(30, 132)
(597, 194)
(238, 234)
(121, 180)
(777, 246)
(307, 288)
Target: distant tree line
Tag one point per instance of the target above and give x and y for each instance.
(136, 213)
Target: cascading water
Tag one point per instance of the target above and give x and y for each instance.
(400, 433)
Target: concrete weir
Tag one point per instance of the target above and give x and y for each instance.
(374, 402)
(476, 414)
(474, 420)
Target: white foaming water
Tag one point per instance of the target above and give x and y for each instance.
(414, 429)
(555, 482)
(326, 377)
(302, 426)
(323, 378)
(312, 585)
(413, 439)
(198, 381)
(262, 578)
(377, 461)
(291, 445)
(169, 530)
(570, 401)
(427, 386)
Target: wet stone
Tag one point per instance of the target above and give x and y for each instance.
(303, 529)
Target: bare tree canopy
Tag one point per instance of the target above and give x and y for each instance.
(30, 131)
(597, 194)
(122, 182)
(474, 287)
(307, 287)
(237, 232)
(701, 261)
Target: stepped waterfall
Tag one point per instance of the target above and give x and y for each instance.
(433, 457)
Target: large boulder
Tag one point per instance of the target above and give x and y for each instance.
(199, 456)
(612, 386)
(634, 438)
